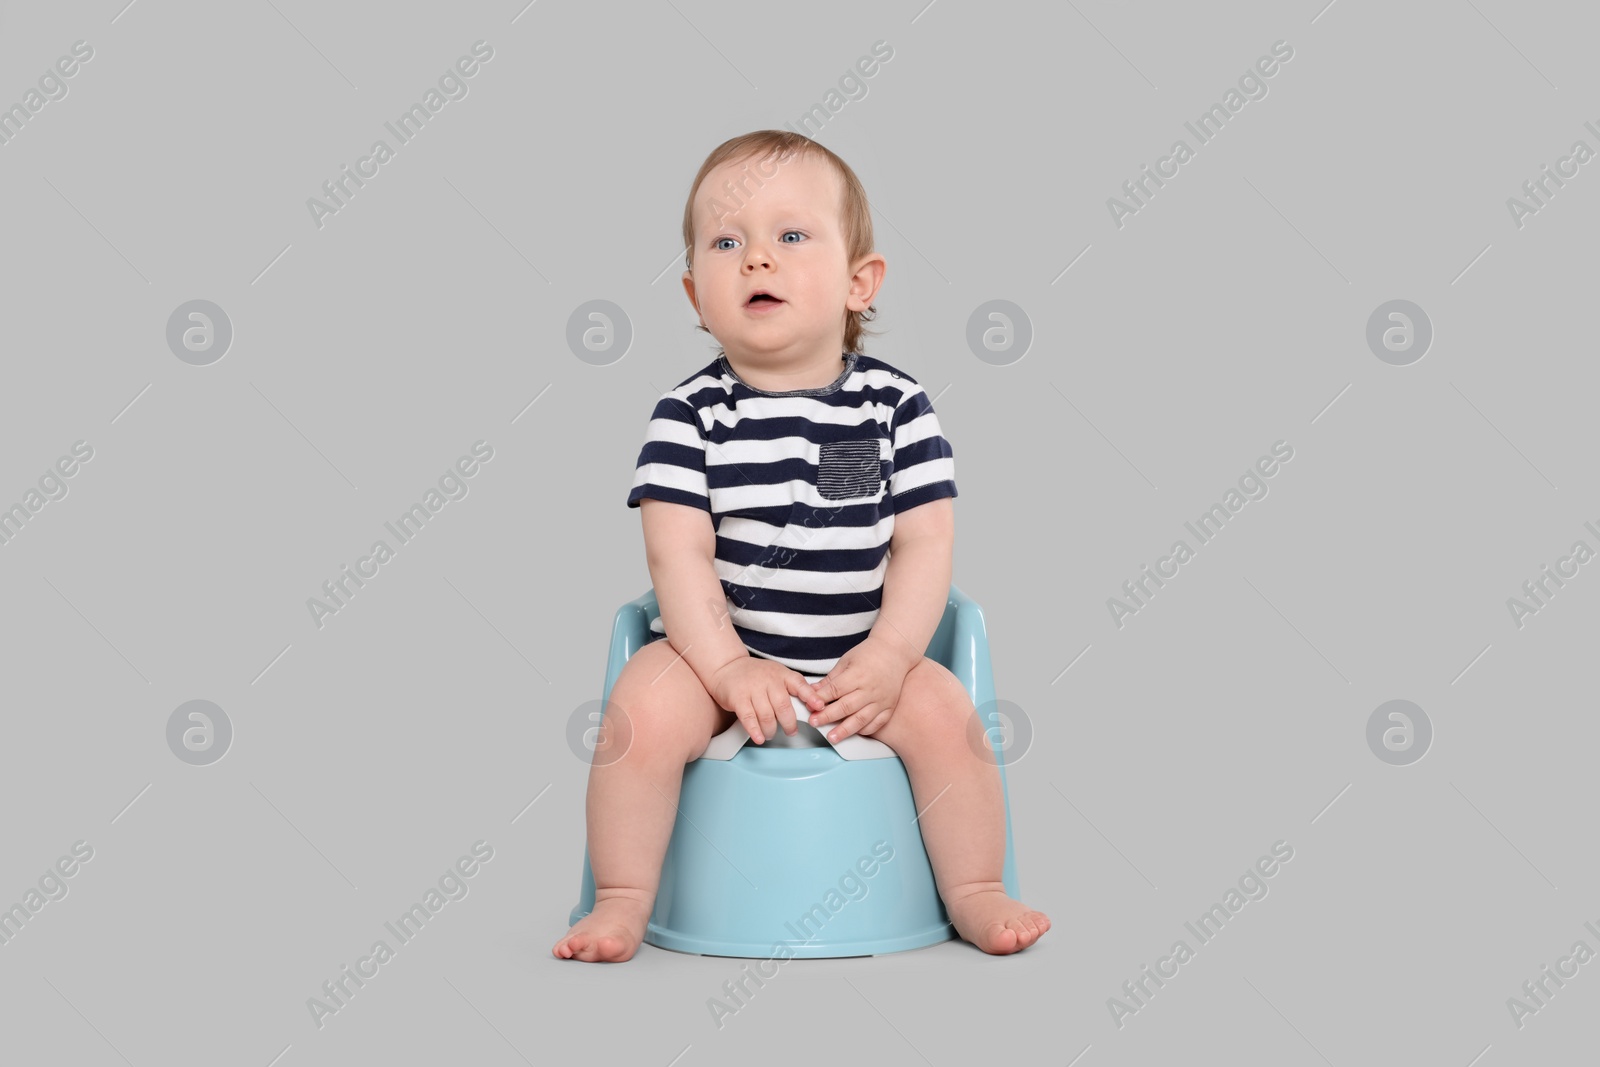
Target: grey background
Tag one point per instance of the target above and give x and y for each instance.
(370, 354)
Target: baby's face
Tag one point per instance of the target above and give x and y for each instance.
(785, 237)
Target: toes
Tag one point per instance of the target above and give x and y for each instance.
(604, 948)
(1039, 923)
(573, 946)
(1002, 940)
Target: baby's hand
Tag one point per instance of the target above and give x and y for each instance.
(757, 691)
(863, 689)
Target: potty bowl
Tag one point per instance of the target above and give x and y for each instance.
(792, 849)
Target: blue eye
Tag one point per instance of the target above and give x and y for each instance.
(718, 244)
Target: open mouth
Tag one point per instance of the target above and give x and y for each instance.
(762, 300)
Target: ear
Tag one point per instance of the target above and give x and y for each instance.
(688, 288)
(865, 281)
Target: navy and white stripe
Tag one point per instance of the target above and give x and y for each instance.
(802, 488)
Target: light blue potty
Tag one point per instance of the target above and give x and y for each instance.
(790, 849)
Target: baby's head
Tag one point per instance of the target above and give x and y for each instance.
(752, 193)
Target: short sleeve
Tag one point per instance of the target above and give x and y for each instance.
(924, 462)
(672, 463)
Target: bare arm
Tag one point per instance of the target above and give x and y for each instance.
(679, 546)
(916, 583)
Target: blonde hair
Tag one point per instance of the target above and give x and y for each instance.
(856, 215)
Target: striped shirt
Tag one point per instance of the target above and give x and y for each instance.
(802, 487)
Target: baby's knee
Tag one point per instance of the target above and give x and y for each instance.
(636, 717)
(935, 702)
(658, 720)
(938, 684)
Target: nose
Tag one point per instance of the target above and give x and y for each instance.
(756, 255)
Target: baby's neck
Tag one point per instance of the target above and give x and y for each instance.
(778, 374)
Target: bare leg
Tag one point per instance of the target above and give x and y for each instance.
(660, 718)
(956, 785)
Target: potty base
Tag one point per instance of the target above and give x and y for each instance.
(795, 853)
(666, 939)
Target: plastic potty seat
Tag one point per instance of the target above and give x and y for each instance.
(797, 847)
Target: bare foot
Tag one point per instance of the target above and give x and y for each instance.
(996, 923)
(611, 933)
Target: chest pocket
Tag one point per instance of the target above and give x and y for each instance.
(848, 470)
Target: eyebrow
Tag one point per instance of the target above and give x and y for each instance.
(800, 216)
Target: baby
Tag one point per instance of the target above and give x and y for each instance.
(802, 491)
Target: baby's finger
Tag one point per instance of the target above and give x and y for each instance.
(824, 690)
(826, 714)
(783, 704)
(881, 718)
(805, 691)
(842, 708)
(763, 705)
(854, 723)
(747, 716)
